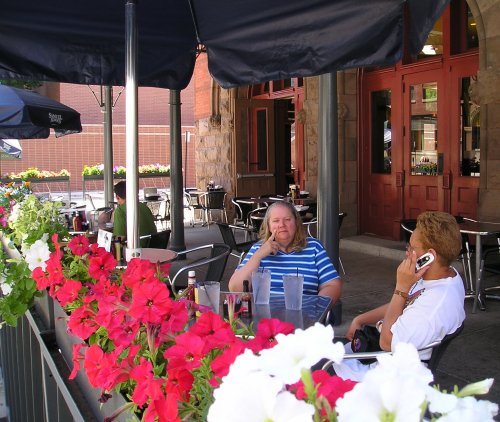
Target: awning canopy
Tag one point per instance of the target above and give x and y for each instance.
(247, 41)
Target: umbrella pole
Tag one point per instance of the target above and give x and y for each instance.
(328, 174)
(131, 123)
(108, 145)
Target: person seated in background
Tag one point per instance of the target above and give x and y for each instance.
(285, 249)
(427, 304)
(145, 217)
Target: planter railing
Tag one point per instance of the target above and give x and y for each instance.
(46, 180)
(88, 178)
(34, 359)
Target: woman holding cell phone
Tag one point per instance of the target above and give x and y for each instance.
(428, 299)
(284, 249)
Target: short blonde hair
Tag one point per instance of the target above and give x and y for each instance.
(440, 231)
(299, 241)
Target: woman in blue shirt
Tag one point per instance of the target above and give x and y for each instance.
(285, 249)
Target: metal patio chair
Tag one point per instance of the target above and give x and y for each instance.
(238, 250)
(214, 264)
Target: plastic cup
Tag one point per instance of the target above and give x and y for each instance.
(293, 285)
(209, 295)
(261, 287)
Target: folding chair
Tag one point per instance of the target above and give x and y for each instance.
(238, 250)
(215, 263)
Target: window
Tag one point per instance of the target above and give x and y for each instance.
(470, 130)
(381, 131)
(424, 124)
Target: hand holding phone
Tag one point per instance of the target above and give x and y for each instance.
(424, 260)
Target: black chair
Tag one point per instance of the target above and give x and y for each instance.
(160, 240)
(215, 263)
(438, 350)
(238, 250)
(242, 210)
(214, 201)
(490, 263)
(256, 218)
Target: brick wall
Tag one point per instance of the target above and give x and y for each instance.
(72, 152)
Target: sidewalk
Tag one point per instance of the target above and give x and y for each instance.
(370, 266)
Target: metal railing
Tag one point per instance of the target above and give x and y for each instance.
(35, 368)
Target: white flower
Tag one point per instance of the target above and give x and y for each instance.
(396, 399)
(14, 214)
(468, 409)
(476, 388)
(395, 389)
(257, 397)
(37, 254)
(300, 350)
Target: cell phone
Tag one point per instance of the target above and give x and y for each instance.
(424, 260)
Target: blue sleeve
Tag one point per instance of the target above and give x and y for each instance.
(325, 267)
(249, 254)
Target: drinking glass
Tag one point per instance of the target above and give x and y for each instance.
(209, 294)
(261, 286)
(293, 285)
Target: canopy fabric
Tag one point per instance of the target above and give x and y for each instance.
(10, 149)
(247, 42)
(28, 115)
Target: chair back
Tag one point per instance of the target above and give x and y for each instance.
(159, 240)
(227, 235)
(438, 351)
(256, 218)
(342, 215)
(215, 200)
(408, 225)
(215, 262)
(242, 209)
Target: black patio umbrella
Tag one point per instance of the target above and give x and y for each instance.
(156, 42)
(247, 41)
(10, 149)
(28, 115)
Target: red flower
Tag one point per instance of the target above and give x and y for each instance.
(330, 387)
(267, 330)
(101, 265)
(147, 386)
(138, 272)
(79, 245)
(41, 278)
(94, 358)
(179, 382)
(77, 356)
(81, 322)
(220, 365)
(216, 332)
(163, 410)
(186, 353)
(68, 292)
(150, 302)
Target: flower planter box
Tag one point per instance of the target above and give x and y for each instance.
(93, 177)
(65, 342)
(35, 180)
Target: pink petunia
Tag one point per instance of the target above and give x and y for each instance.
(150, 302)
(79, 245)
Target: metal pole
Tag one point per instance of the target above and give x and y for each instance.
(177, 242)
(188, 137)
(328, 178)
(131, 131)
(108, 145)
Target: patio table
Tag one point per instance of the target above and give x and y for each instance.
(480, 230)
(314, 309)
